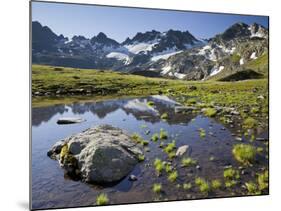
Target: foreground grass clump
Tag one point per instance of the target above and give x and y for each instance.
(141, 158)
(170, 147)
(157, 188)
(158, 165)
(252, 188)
(173, 176)
(216, 184)
(164, 116)
(203, 185)
(250, 123)
(187, 186)
(244, 153)
(263, 180)
(163, 134)
(102, 199)
(231, 173)
(155, 137)
(210, 112)
(150, 103)
(137, 138)
(186, 162)
(202, 133)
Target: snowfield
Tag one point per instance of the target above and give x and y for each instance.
(216, 70)
(119, 56)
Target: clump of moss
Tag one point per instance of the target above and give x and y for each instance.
(191, 101)
(154, 137)
(173, 176)
(230, 183)
(203, 185)
(164, 116)
(263, 180)
(249, 123)
(254, 110)
(163, 134)
(186, 162)
(168, 168)
(64, 152)
(158, 165)
(141, 158)
(187, 186)
(231, 173)
(172, 155)
(144, 143)
(102, 199)
(150, 103)
(137, 138)
(244, 153)
(170, 147)
(210, 112)
(252, 188)
(157, 188)
(216, 184)
(202, 133)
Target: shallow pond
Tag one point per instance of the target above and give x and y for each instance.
(51, 188)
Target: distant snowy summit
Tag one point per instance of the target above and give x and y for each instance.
(174, 53)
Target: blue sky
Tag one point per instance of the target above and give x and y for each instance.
(120, 23)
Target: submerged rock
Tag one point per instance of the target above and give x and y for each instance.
(182, 109)
(181, 150)
(101, 154)
(69, 120)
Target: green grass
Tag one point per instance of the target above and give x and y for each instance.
(244, 153)
(231, 173)
(155, 137)
(187, 186)
(216, 184)
(150, 103)
(203, 185)
(102, 199)
(263, 180)
(141, 158)
(164, 116)
(163, 134)
(230, 183)
(186, 162)
(210, 112)
(173, 176)
(252, 188)
(250, 123)
(170, 147)
(157, 188)
(202, 133)
(259, 65)
(158, 165)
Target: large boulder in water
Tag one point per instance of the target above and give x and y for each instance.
(101, 154)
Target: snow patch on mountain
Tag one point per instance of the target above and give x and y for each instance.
(141, 47)
(179, 75)
(253, 55)
(166, 69)
(164, 54)
(241, 61)
(216, 70)
(119, 56)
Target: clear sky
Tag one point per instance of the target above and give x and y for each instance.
(120, 23)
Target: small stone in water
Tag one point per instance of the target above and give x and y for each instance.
(133, 177)
(198, 167)
(238, 139)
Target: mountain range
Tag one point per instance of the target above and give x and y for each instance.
(239, 51)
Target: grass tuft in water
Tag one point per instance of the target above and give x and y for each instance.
(158, 165)
(173, 176)
(249, 123)
(154, 137)
(203, 185)
(244, 153)
(157, 188)
(187, 186)
(164, 116)
(263, 180)
(150, 103)
(186, 162)
(216, 184)
(210, 112)
(163, 134)
(102, 199)
(252, 188)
